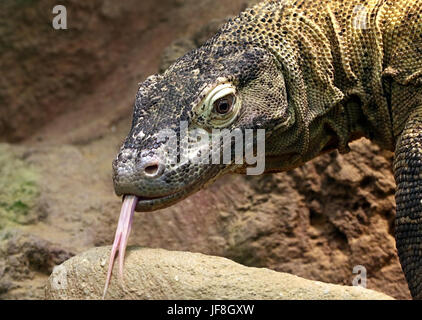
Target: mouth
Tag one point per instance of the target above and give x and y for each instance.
(146, 204)
(132, 203)
(152, 203)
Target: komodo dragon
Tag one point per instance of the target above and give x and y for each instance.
(316, 75)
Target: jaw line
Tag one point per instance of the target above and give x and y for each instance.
(152, 204)
(147, 204)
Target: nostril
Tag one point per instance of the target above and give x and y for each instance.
(150, 167)
(152, 170)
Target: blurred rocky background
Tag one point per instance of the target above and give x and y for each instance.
(65, 106)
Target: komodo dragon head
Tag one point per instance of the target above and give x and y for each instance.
(247, 77)
(214, 87)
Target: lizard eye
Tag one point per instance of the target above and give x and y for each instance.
(224, 105)
(220, 107)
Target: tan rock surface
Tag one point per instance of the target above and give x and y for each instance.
(168, 275)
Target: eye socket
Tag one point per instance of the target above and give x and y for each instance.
(220, 106)
(225, 104)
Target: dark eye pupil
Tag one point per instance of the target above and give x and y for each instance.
(224, 105)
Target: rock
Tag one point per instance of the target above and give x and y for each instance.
(19, 189)
(159, 274)
(25, 263)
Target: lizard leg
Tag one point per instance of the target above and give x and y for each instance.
(408, 223)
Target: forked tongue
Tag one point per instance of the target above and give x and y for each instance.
(121, 237)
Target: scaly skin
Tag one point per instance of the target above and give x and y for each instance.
(315, 75)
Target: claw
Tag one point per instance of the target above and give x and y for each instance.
(121, 238)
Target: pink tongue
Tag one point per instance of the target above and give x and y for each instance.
(121, 237)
